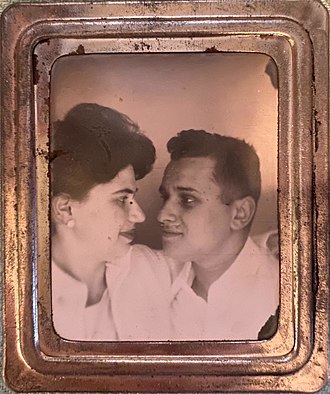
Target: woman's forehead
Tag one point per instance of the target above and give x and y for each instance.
(123, 182)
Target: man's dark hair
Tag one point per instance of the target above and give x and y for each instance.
(91, 145)
(237, 167)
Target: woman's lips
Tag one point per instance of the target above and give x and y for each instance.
(129, 234)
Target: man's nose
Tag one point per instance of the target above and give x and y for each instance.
(136, 214)
(167, 213)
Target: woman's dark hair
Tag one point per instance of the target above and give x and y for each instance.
(237, 168)
(91, 145)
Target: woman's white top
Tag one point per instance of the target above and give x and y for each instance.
(71, 318)
(133, 307)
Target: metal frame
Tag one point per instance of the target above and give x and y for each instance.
(294, 34)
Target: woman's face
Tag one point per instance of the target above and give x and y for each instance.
(195, 221)
(104, 222)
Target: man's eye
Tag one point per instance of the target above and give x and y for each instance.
(164, 197)
(187, 200)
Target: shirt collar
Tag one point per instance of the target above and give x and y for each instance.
(66, 287)
(240, 267)
(184, 280)
(117, 269)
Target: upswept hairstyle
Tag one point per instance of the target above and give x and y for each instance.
(91, 145)
(237, 168)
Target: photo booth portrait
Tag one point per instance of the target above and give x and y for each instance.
(166, 296)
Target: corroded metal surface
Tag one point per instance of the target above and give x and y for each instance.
(295, 35)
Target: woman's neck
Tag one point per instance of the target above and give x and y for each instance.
(76, 262)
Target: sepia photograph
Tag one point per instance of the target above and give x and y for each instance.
(163, 187)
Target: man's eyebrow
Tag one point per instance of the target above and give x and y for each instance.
(126, 190)
(162, 189)
(187, 189)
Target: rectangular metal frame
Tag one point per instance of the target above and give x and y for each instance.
(295, 35)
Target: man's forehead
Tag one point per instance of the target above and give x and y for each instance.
(191, 169)
(187, 163)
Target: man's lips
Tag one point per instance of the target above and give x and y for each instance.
(129, 234)
(168, 233)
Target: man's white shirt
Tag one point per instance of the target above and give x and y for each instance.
(239, 303)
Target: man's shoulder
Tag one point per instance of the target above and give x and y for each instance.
(255, 264)
(256, 276)
(268, 241)
(256, 283)
(267, 253)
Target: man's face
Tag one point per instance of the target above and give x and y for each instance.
(195, 221)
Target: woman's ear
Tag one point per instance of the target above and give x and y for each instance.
(243, 212)
(61, 210)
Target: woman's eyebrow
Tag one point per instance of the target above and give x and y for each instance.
(126, 190)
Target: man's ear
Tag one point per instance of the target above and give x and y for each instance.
(243, 212)
(61, 210)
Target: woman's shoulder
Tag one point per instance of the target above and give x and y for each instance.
(145, 258)
(147, 254)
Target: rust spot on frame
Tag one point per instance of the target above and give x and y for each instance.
(56, 153)
(80, 50)
(250, 6)
(142, 46)
(317, 125)
(211, 50)
(36, 74)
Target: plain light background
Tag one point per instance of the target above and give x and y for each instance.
(232, 94)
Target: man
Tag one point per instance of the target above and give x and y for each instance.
(224, 286)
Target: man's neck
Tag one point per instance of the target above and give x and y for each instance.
(214, 266)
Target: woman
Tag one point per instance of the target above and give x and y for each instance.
(97, 155)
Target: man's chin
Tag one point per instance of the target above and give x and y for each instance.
(175, 253)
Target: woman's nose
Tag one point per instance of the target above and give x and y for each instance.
(136, 213)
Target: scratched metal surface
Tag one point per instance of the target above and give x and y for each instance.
(3, 388)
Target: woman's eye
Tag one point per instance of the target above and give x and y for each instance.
(123, 199)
